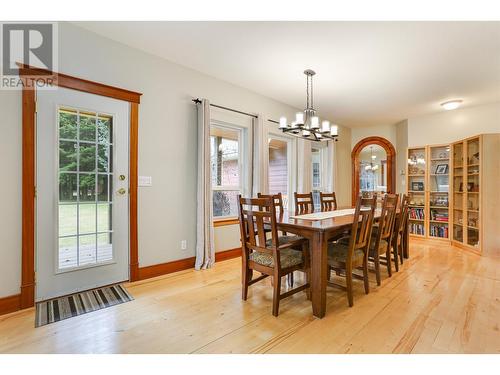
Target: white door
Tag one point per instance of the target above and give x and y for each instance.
(82, 192)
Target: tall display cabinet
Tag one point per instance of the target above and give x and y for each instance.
(454, 192)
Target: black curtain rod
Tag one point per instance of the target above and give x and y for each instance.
(198, 101)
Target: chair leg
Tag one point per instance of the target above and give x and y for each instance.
(276, 294)
(389, 266)
(290, 280)
(349, 286)
(377, 269)
(365, 276)
(246, 277)
(396, 255)
(400, 250)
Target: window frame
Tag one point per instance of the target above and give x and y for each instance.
(323, 169)
(242, 132)
(291, 164)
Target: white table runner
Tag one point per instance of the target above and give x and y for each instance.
(324, 215)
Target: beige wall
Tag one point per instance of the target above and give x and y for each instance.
(401, 146)
(385, 131)
(450, 126)
(167, 144)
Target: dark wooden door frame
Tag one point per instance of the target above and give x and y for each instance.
(391, 166)
(27, 75)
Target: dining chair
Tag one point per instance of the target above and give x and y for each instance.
(328, 201)
(270, 257)
(350, 253)
(399, 232)
(304, 203)
(278, 204)
(381, 241)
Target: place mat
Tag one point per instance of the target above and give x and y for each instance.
(324, 215)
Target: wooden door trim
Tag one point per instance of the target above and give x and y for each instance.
(391, 163)
(27, 296)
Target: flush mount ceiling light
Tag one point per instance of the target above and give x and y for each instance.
(451, 104)
(307, 124)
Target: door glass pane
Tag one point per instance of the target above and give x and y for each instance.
(102, 187)
(87, 218)
(68, 187)
(87, 187)
(87, 157)
(68, 156)
(85, 182)
(87, 127)
(87, 250)
(68, 249)
(67, 219)
(104, 217)
(104, 247)
(104, 130)
(68, 121)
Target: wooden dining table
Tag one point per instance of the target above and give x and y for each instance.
(319, 232)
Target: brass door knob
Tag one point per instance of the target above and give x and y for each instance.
(122, 191)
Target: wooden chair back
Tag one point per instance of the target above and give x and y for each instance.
(277, 199)
(328, 201)
(304, 203)
(387, 217)
(253, 214)
(362, 225)
(403, 215)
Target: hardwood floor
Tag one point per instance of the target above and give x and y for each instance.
(444, 300)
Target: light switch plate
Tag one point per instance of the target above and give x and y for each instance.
(145, 181)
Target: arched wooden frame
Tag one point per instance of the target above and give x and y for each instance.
(391, 160)
(28, 74)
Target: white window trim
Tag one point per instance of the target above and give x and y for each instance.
(243, 147)
(291, 164)
(324, 166)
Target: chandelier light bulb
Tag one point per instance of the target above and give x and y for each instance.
(334, 130)
(325, 126)
(314, 122)
(299, 118)
(306, 133)
(282, 122)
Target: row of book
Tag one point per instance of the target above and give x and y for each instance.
(439, 231)
(439, 216)
(416, 213)
(416, 228)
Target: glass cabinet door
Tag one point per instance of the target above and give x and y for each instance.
(416, 190)
(458, 191)
(439, 172)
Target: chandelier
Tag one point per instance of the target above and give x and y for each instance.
(371, 167)
(307, 124)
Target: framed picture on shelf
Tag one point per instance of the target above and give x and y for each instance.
(417, 186)
(442, 169)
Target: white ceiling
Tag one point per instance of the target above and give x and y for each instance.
(368, 73)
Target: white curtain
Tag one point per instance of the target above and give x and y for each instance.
(205, 250)
(332, 167)
(304, 166)
(260, 149)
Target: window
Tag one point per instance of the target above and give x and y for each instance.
(278, 171)
(85, 178)
(319, 161)
(225, 162)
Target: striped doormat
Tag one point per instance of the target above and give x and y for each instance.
(76, 304)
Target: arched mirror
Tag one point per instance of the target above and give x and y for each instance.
(373, 167)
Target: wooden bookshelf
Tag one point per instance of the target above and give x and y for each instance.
(475, 176)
